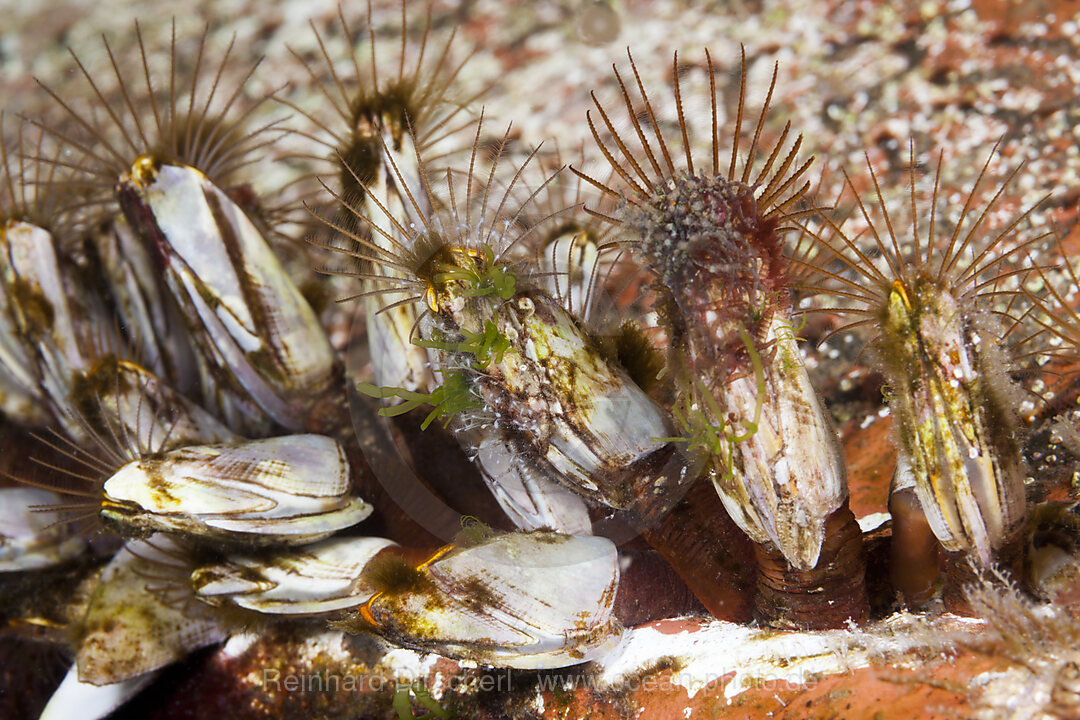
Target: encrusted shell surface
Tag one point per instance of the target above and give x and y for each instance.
(128, 631)
(956, 444)
(787, 476)
(553, 390)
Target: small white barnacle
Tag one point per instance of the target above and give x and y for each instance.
(291, 490)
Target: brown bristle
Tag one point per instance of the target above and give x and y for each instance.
(975, 267)
(417, 100)
(32, 184)
(197, 120)
(1056, 315)
(359, 163)
(778, 186)
(711, 232)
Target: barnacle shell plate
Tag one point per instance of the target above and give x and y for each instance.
(291, 489)
(323, 577)
(531, 498)
(226, 275)
(595, 421)
(789, 476)
(530, 601)
(128, 631)
(151, 413)
(16, 355)
(969, 486)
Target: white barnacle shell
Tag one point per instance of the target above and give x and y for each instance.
(157, 331)
(319, 578)
(51, 327)
(20, 403)
(249, 318)
(523, 600)
(75, 698)
(31, 539)
(292, 489)
(530, 497)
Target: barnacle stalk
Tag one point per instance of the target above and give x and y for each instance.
(914, 552)
(940, 309)
(713, 237)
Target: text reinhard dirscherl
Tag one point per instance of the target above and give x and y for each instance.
(503, 681)
(273, 679)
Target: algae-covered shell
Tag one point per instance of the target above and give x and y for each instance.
(783, 480)
(956, 439)
(524, 600)
(590, 427)
(319, 578)
(291, 489)
(127, 631)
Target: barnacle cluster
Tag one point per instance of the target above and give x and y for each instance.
(568, 391)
